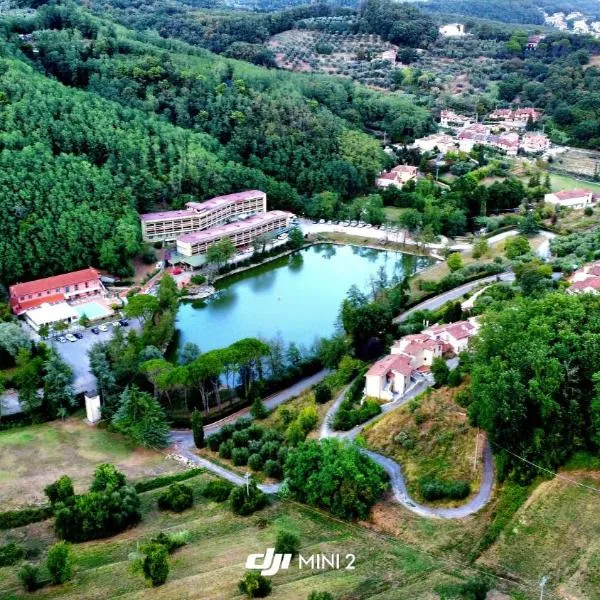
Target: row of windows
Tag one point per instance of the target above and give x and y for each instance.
(58, 290)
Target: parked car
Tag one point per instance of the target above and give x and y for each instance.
(353, 223)
(115, 324)
(321, 221)
(78, 335)
(368, 225)
(71, 337)
(123, 322)
(62, 339)
(95, 330)
(103, 327)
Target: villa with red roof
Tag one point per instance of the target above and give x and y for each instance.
(570, 198)
(585, 280)
(455, 335)
(398, 176)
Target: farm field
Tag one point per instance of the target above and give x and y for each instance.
(33, 457)
(578, 161)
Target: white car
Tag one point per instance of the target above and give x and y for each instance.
(71, 337)
(368, 225)
(103, 327)
(353, 223)
(62, 339)
(321, 221)
(115, 324)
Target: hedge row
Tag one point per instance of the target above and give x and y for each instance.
(163, 480)
(25, 516)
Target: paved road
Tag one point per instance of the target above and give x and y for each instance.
(453, 294)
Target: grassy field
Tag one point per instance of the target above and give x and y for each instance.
(563, 182)
(210, 566)
(429, 436)
(33, 457)
(555, 533)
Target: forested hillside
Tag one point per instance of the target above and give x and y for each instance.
(159, 121)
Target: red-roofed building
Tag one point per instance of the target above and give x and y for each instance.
(585, 280)
(420, 348)
(398, 176)
(456, 335)
(388, 376)
(51, 290)
(570, 198)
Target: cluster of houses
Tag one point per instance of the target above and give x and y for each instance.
(411, 357)
(241, 217)
(61, 299)
(585, 280)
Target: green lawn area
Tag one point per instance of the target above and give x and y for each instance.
(32, 457)
(564, 182)
(392, 213)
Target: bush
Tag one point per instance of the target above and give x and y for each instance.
(269, 450)
(287, 543)
(155, 564)
(254, 585)
(171, 541)
(217, 490)
(239, 456)
(60, 563)
(295, 433)
(30, 577)
(440, 371)
(320, 596)
(240, 439)
(225, 449)
(272, 469)
(60, 490)
(164, 480)
(308, 418)
(214, 441)
(198, 429)
(19, 518)
(322, 393)
(255, 432)
(177, 498)
(588, 211)
(245, 502)
(10, 554)
(255, 461)
(454, 378)
(258, 410)
(198, 279)
(435, 489)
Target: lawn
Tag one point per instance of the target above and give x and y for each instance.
(563, 182)
(32, 457)
(212, 563)
(429, 436)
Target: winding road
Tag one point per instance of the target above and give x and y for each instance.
(184, 446)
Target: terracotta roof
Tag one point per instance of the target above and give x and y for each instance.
(405, 169)
(589, 283)
(392, 362)
(50, 283)
(389, 175)
(571, 194)
(27, 304)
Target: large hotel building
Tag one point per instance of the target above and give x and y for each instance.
(241, 232)
(169, 225)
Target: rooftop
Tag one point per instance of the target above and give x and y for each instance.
(571, 194)
(51, 313)
(51, 283)
(392, 362)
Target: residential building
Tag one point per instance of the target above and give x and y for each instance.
(197, 216)
(532, 143)
(241, 232)
(443, 142)
(570, 198)
(508, 142)
(452, 120)
(388, 376)
(455, 335)
(470, 136)
(585, 280)
(398, 176)
(514, 119)
(420, 348)
(533, 41)
(54, 290)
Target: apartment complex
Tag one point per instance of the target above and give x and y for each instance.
(241, 232)
(169, 225)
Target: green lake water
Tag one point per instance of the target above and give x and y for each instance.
(296, 296)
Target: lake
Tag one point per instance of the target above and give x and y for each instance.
(296, 296)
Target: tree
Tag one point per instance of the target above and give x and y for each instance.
(141, 418)
(155, 564)
(13, 338)
(220, 252)
(533, 277)
(295, 238)
(142, 306)
(454, 261)
(254, 585)
(440, 371)
(258, 409)
(516, 246)
(529, 224)
(61, 490)
(480, 247)
(44, 331)
(168, 294)
(189, 353)
(84, 320)
(322, 393)
(59, 398)
(60, 562)
(247, 501)
(177, 497)
(287, 542)
(197, 429)
(105, 378)
(334, 476)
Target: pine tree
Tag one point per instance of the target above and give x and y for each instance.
(198, 429)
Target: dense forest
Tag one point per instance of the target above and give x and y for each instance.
(157, 122)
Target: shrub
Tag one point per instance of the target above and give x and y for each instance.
(198, 429)
(295, 433)
(254, 446)
(269, 450)
(320, 596)
(60, 490)
(214, 441)
(239, 456)
(217, 490)
(225, 449)
(454, 261)
(198, 279)
(247, 501)
(30, 577)
(258, 410)
(272, 469)
(440, 371)
(403, 438)
(19, 518)
(10, 554)
(454, 378)
(435, 489)
(240, 439)
(60, 562)
(254, 585)
(107, 476)
(171, 541)
(155, 564)
(177, 498)
(308, 418)
(255, 432)
(322, 393)
(255, 462)
(588, 211)
(164, 480)
(287, 543)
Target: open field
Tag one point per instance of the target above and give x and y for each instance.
(210, 566)
(578, 161)
(555, 533)
(430, 436)
(563, 182)
(32, 457)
